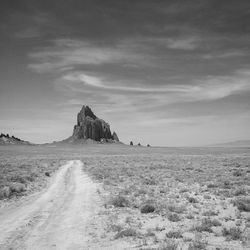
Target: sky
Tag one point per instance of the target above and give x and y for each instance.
(167, 73)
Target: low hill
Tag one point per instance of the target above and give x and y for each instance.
(12, 140)
(240, 143)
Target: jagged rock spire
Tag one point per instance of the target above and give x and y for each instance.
(89, 126)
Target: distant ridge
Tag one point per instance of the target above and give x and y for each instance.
(239, 143)
(12, 140)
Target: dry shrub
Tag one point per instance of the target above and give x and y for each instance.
(177, 209)
(198, 244)
(240, 191)
(210, 213)
(233, 233)
(174, 234)
(169, 245)
(212, 185)
(47, 174)
(192, 200)
(147, 208)
(174, 217)
(120, 201)
(16, 187)
(243, 204)
(149, 181)
(5, 192)
(206, 225)
(130, 232)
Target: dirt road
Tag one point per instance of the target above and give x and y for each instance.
(56, 219)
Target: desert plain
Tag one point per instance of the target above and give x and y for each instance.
(114, 196)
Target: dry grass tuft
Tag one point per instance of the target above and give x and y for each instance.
(120, 201)
(147, 208)
(243, 204)
(233, 233)
(130, 232)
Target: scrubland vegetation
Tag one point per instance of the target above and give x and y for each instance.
(152, 198)
(23, 171)
(176, 201)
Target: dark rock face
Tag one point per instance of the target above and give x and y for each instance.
(91, 127)
(115, 137)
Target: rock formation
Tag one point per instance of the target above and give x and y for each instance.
(115, 137)
(89, 126)
(7, 140)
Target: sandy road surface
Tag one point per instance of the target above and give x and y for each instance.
(56, 219)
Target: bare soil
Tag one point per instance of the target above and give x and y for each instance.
(57, 218)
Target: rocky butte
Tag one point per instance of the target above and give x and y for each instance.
(89, 126)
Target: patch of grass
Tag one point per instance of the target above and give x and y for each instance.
(19, 174)
(174, 217)
(198, 244)
(243, 204)
(120, 201)
(115, 228)
(233, 233)
(14, 188)
(174, 234)
(169, 245)
(130, 232)
(206, 225)
(5, 192)
(149, 181)
(212, 185)
(210, 213)
(240, 191)
(176, 209)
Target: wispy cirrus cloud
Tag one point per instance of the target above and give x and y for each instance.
(80, 71)
(65, 54)
(208, 88)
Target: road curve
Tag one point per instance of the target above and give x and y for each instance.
(57, 218)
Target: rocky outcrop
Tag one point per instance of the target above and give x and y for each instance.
(11, 140)
(115, 137)
(89, 126)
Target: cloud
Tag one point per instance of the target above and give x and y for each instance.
(208, 88)
(183, 44)
(225, 55)
(67, 53)
(118, 99)
(104, 84)
(64, 54)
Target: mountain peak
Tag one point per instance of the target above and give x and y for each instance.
(89, 126)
